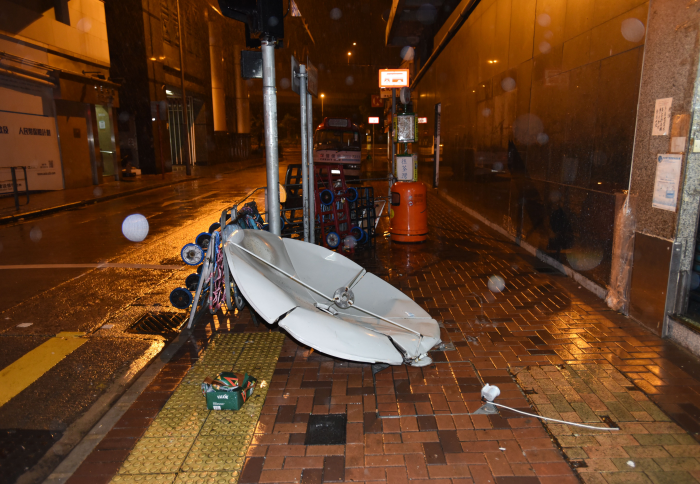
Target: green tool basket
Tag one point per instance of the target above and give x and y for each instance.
(229, 391)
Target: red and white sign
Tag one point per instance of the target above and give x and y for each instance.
(373, 120)
(422, 120)
(393, 78)
(377, 101)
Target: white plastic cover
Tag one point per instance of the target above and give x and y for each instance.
(350, 333)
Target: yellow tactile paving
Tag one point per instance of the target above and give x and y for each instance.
(186, 443)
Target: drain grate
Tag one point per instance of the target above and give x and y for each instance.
(162, 323)
(326, 429)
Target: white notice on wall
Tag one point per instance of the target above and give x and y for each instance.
(668, 174)
(662, 117)
(678, 144)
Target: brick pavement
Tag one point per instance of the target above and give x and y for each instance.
(541, 333)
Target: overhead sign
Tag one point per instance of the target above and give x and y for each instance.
(377, 101)
(373, 120)
(312, 77)
(393, 78)
(422, 120)
(295, 75)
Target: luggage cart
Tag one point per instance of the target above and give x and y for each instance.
(363, 215)
(333, 197)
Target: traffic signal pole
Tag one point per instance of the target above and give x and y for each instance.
(271, 139)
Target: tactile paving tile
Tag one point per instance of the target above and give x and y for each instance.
(152, 478)
(160, 455)
(178, 421)
(215, 477)
(217, 453)
(197, 445)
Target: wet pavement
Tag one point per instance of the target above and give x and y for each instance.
(552, 348)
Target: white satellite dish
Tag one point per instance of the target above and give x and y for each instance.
(326, 301)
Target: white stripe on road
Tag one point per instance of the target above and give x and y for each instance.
(106, 265)
(189, 199)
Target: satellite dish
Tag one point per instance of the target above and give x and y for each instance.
(326, 301)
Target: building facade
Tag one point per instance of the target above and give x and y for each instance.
(145, 39)
(551, 118)
(56, 99)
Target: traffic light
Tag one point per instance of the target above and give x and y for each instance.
(263, 18)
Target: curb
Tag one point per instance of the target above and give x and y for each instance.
(21, 217)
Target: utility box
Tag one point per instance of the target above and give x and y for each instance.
(409, 212)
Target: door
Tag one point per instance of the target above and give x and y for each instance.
(105, 135)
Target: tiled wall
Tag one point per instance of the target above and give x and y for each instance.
(86, 35)
(539, 105)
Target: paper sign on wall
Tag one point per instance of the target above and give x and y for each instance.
(662, 117)
(668, 175)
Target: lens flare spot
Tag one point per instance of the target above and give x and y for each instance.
(496, 283)
(336, 13)
(135, 227)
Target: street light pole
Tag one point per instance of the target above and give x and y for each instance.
(270, 119)
(322, 96)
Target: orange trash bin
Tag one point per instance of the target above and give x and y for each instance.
(409, 212)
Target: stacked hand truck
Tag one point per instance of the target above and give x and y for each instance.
(213, 285)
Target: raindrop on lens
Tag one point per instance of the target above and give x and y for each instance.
(284, 83)
(349, 242)
(544, 20)
(508, 84)
(496, 283)
(97, 192)
(219, 176)
(544, 47)
(498, 166)
(542, 138)
(336, 14)
(84, 24)
(632, 29)
(408, 53)
(135, 227)
(349, 80)
(475, 227)
(584, 259)
(548, 35)
(486, 112)
(272, 21)
(35, 234)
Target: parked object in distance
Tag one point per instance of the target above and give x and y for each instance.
(290, 282)
(337, 141)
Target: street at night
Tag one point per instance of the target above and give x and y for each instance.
(381, 241)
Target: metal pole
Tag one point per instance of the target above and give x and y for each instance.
(391, 131)
(304, 150)
(186, 139)
(374, 141)
(160, 142)
(14, 187)
(270, 116)
(312, 183)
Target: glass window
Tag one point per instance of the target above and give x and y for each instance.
(337, 140)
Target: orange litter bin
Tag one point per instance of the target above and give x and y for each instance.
(409, 212)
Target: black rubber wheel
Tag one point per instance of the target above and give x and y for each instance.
(214, 226)
(181, 298)
(202, 240)
(191, 282)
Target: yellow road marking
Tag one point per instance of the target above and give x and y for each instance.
(25, 371)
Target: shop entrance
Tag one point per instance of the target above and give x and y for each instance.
(177, 129)
(105, 135)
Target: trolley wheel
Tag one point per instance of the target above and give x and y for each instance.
(192, 254)
(214, 226)
(192, 281)
(200, 268)
(203, 239)
(326, 197)
(352, 195)
(359, 234)
(181, 298)
(332, 240)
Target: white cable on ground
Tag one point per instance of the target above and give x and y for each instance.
(554, 419)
